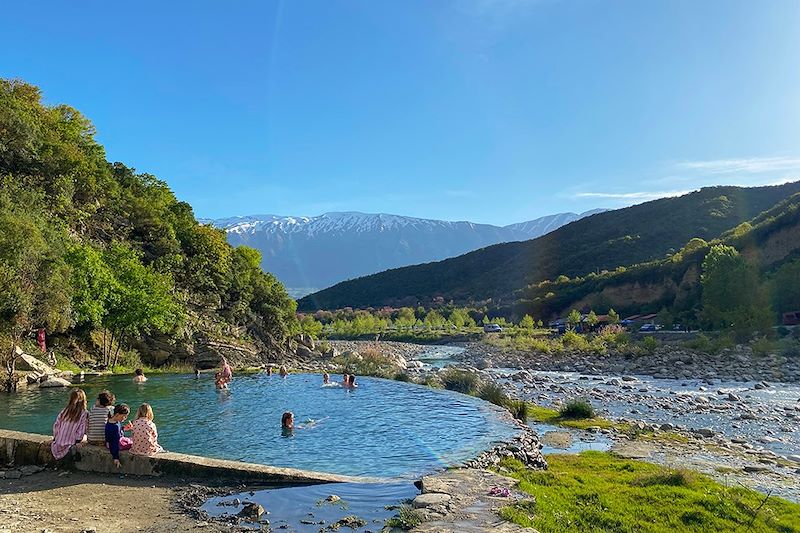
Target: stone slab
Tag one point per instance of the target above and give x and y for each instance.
(18, 448)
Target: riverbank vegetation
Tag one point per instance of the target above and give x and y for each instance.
(595, 491)
(92, 246)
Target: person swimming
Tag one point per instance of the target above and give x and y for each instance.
(326, 379)
(283, 371)
(269, 370)
(220, 382)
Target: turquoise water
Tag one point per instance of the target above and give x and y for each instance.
(381, 429)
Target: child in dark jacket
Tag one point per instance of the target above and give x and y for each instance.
(115, 438)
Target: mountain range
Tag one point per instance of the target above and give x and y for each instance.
(306, 253)
(604, 241)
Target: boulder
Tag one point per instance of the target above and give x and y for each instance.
(54, 382)
(28, 363)
(429, 499)
(304, 352)
(253, 511)
(704, 432)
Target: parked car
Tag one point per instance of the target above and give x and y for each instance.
(650, 327)
(492, 328)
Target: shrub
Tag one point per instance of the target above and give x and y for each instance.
(493, 393)
(701, 343)
(576, 341)
(461, 381)
(403, 376)
(576, 410)
(407, 518)
(763, 346)
(649, 344)
(518, 409)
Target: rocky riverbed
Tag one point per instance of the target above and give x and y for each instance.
(669, 362)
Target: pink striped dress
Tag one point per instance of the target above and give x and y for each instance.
(66, 433)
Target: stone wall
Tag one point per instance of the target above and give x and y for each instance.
(20, 449)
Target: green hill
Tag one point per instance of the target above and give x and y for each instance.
(108, 259)
(769, 242)
(603, 241)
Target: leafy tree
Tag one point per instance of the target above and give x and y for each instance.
(34, 287)
(613, 316)
(732, 297)
(591, 319)
(786, 287)
(574, 319)
(310, 326)
(140, 299)
(405, 318)
(527, 323)
(459, 318)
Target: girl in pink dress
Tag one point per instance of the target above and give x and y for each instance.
(144, 432)
(70, 426)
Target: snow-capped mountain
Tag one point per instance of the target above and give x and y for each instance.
(309, 253)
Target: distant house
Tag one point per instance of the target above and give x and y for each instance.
(792, 318)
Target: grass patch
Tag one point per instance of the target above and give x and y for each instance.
(576, 410)
(407, 518)
(461, 381)
(595, 491)
(547, 415)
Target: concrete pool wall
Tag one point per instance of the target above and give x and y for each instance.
(18, 449)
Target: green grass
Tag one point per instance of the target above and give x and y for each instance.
(597, 492)
(462, 381)
(547, 415)
(407, 518)
(576, 410)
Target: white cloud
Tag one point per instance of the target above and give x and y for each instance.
(751, 165)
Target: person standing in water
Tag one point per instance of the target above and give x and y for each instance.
(226, 372)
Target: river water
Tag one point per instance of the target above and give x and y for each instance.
(766, 417)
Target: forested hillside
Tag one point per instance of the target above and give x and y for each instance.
(757, 269)
(107, 259)
(603, 241)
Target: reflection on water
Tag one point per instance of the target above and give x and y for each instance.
(382, 429)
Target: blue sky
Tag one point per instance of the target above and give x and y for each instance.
(493, 111)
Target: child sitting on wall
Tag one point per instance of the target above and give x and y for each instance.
(144, 432)
(115, 437)
(99, 414)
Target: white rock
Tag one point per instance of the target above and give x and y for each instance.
(55, 382)
(430, 499)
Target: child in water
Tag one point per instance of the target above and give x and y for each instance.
(139, 377)
(283, 371)
(326, 379)
(219, 381)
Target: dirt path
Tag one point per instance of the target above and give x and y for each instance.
(71, 502)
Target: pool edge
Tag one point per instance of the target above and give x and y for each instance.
(20, 448)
